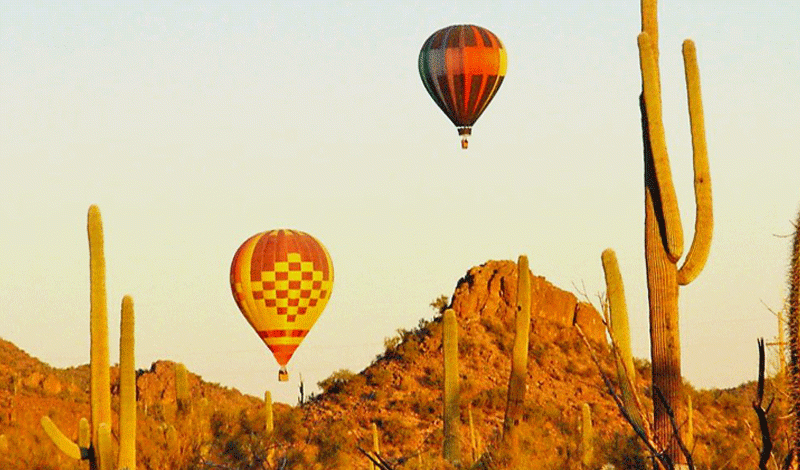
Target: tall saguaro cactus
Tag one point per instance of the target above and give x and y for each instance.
(794, 349)
(519, 354)
(663, 231)
(182, 389)
(94, 438)
(452, 413)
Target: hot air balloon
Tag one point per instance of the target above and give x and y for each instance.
(281, 281)
(462, 66)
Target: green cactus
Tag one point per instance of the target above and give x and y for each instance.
(794, 348)
(376, 443)
(519, 354)
(663, 232)
(270, 425)
(182, 389)
(689, 422)
(171, 437)
(451, 418)
(473, 437)
(620, 334)
(587, 436)
(127, 387)
(94, 438)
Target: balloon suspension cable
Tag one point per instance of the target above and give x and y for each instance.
(283, 374)
(464, 132)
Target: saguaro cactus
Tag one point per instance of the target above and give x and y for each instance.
(519, 354)
(794, 349)
(182, 389)
(94, 439)
(663, 232)
(587, 436)
(270, 425)
(473, 437)
(451, 418)
(376, 444)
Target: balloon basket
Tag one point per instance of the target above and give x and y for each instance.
(464, 132)
(283, 375)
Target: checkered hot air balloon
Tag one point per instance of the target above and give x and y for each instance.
(462, 66)
(281, 281)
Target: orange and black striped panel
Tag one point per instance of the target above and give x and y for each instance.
(281, 281)
(462, 67)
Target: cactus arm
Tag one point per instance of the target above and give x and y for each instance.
(519, 354)
(60, 440)
(704, 220)
(100, 393)
(665, 199)
(103, 452)
(451, 447)
(615, 289)
(650, 26)
(84, 437)
(620, 335)
(127, 388)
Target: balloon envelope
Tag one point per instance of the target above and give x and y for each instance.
(281, 281)
(462, 67)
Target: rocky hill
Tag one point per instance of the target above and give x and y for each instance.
(400, 393)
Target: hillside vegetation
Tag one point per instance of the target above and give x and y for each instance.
(400, 392)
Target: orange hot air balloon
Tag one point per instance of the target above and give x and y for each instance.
(281, 281)
(462, 67)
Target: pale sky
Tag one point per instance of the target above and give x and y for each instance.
(195, 126)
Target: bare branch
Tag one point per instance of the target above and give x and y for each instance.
(766, 440)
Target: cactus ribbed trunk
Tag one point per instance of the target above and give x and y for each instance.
(664, 233)
(451, 446)
(100, 393)
(794, 348)
(127, 388)
(665, 353)
(519, 354)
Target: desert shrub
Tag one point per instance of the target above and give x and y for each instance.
(491, 399)
(409, 351)
(336, 382)
(396, 431)
(466, 344)
(433, 377)
(220, 424)
(330, 440)
(289, 425)
(624, 451)
(440, 303)
(424, 408)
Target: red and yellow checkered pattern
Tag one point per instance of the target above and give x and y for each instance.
(281, 281)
